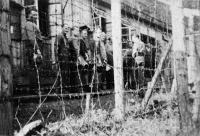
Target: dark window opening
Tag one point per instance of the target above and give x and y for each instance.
(147, 39)
(29, 2)
(196, 23)
(15, 22)
(125, 37)
(103, 24)
(43, 14)
(43, 17)
(100, 21)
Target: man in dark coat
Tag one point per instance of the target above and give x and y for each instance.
(98, 59)
(84, 58)
(31, 35)
(62, 57)
(74, 45)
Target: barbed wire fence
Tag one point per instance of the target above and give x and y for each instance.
(163, 82)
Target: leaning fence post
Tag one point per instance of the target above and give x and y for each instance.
(154, 79)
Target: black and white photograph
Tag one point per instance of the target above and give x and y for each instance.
(100, 68)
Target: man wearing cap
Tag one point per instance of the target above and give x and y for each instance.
(61, 46)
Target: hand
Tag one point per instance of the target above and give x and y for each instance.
(38, 52)
(53, 62)
(87, 57)
(133, 55)
(79, 59)
(104, 62)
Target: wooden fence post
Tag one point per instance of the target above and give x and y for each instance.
(180, 56)
(6, 110)
(194, 73)
(87, 104)
(193, 70)
(117, 58)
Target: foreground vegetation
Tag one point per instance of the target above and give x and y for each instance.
(160, 120)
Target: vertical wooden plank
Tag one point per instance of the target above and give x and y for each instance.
(193, 71)
(87, 105)
(22, 49)
(192, 55)
(117, 56)
(36, 5)
(6, 123)
(6, 119)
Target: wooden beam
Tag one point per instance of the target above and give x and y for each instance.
(168, 2)
(191, 12)
(117, 58)
(6, 107)
(191, 51)
(194, 74)
(154, 79)
(180, 65)
(186, 11)
(87, 104)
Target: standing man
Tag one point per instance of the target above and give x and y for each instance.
(62, 57)
(101, 51)
(138, 51)
(98, 58)
(74, 46)
(31, 35)
(109, 70)
(84, 57)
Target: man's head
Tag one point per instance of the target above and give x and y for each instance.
(31, 14)
(96, 33)
(102, 36)
(84, 33)
(75, 31)
(65, 29)
(134, 32)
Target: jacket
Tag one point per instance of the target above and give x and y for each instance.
(97, 51)
(74, 48)
(61, 48)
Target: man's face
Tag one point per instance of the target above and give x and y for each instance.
(33, 15)
(102, 36)
(134, 33)
(66, 29)
(76, 31)
(84, 34)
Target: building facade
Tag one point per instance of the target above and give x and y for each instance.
(151, 19)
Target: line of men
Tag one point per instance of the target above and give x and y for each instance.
(84, 57)
(82, 63)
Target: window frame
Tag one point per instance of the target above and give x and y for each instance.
(128, 35)
(15, 27)
(99, 18)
